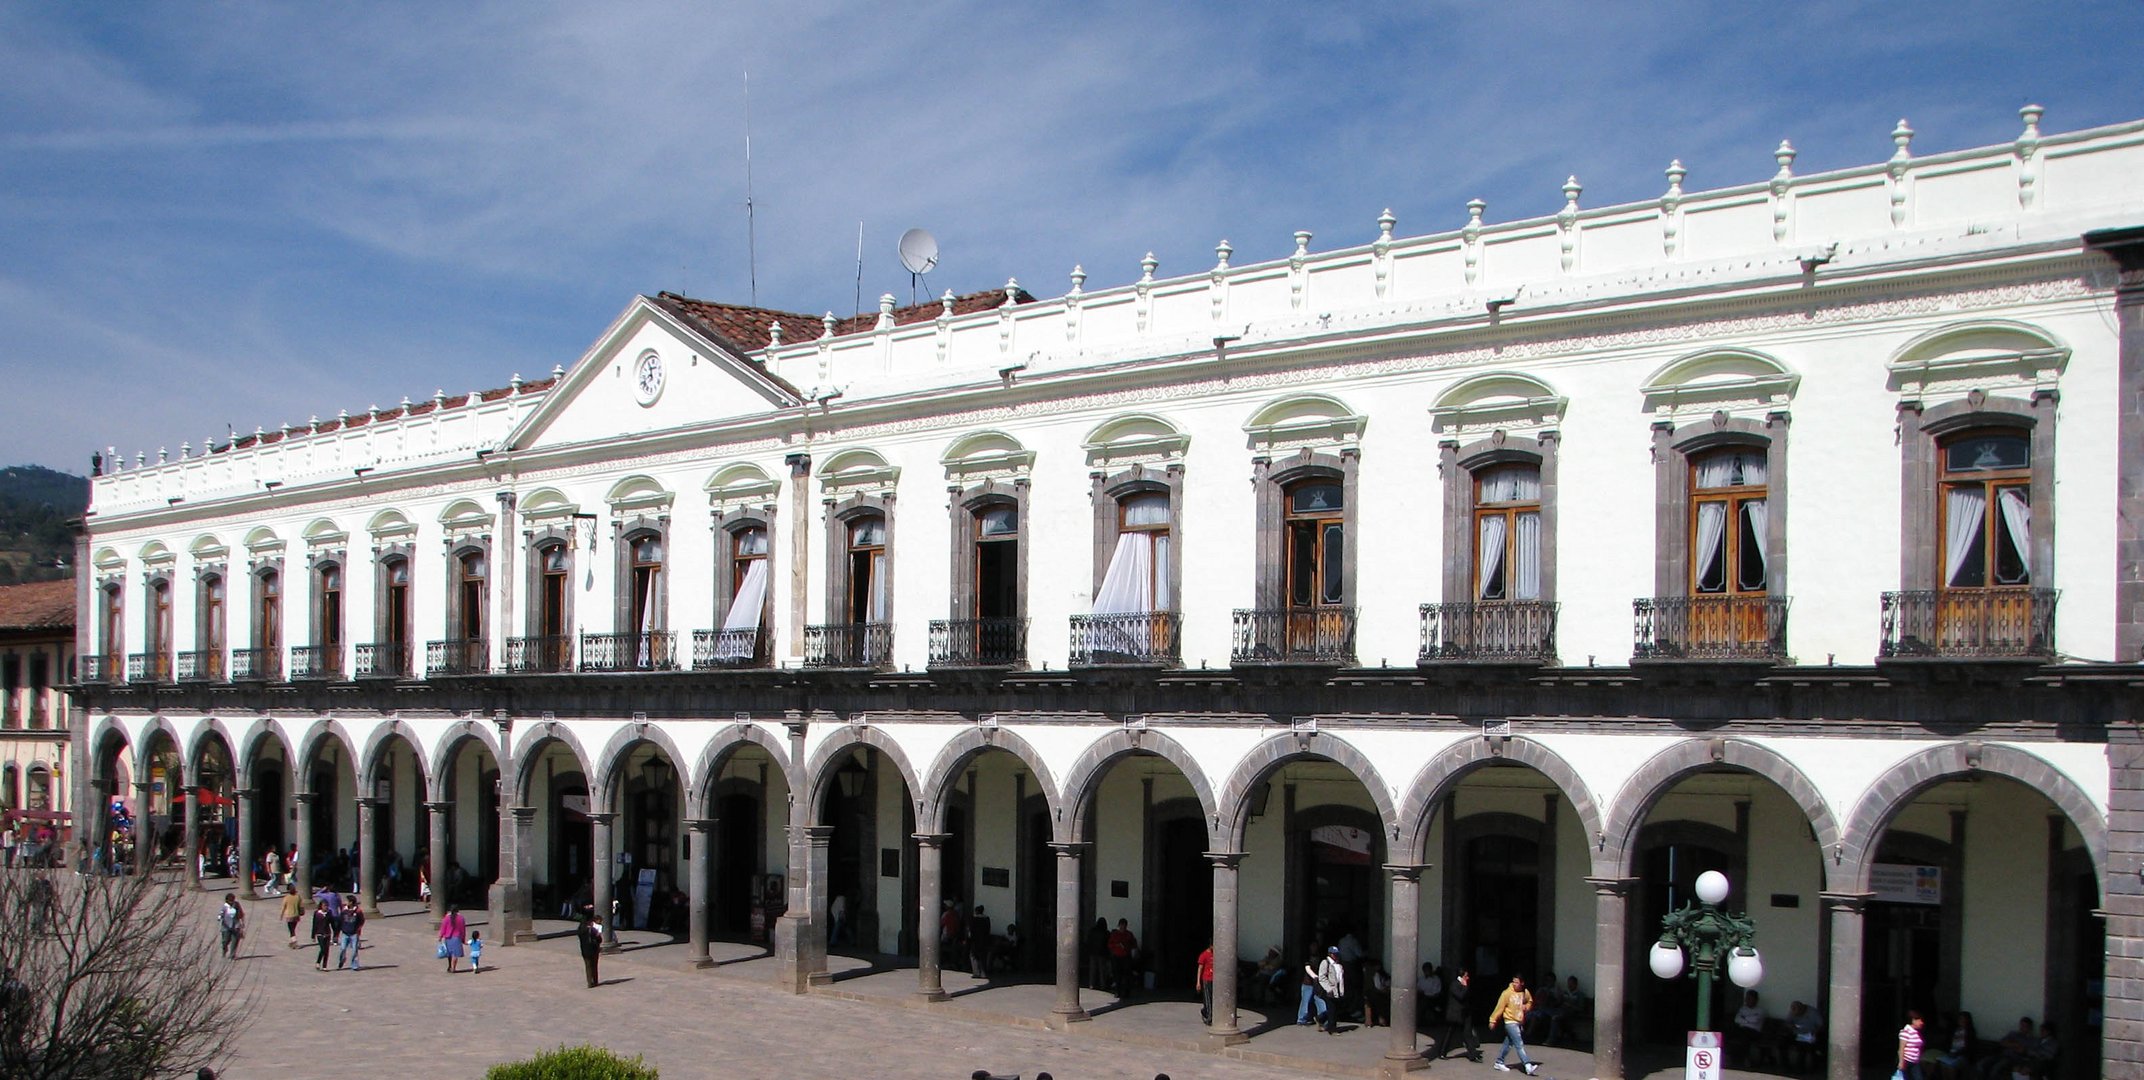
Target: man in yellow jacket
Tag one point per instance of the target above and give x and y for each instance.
(1511, 1008)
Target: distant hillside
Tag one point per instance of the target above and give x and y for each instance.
(36, 504)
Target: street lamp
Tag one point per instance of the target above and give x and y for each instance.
(1714, 940)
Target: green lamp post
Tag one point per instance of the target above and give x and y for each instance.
(1716, 941)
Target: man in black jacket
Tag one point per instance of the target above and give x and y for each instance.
(591, 935)
(1458, 1019)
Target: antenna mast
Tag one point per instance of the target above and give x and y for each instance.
(751, 234)
(859, 268)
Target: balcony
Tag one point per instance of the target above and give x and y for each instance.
(653, 651)
(96, 668)
(1139, 638)
(200, 666)
(315, 662)
(1711, 628)
(256, 665)
(458, 657)
(543, 654)
(719, 649)
(978, 642)
(849, 645)
(1294, 636)
(150, 668)
(1969, 624)
(383, 660)
(1489, 632)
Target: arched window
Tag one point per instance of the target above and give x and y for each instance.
(1507, 533)
(553, 574)
(268, 611)
(869, 585)
(394, 608)
(474, 595)
(160, 635)
(39, 793)
(210, 638)
(989, 602)
(1728, 515)
(1986, 509)
(645, 612)
(114, 630)
(328, 628)
(1133, 620)
(997, 561)
(742, 640)
(1316, 545)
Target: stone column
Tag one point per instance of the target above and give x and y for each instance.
(436, 856)
(1223, 1030)
(368, 856)
(1842, 1012)
(510, 895)
(930, 885)
(1067, 1011)
(600, 866)
(2121, 1044)
(1401, 1054)
(303, 875)
(144, 844)
(243, 807)
(190, 839)
(1611, 932)
(791, 967)
(700, 830)
(816, 839)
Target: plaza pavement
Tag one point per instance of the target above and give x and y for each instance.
(403, 1016)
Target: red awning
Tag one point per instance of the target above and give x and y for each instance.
(42, 815)
(210, 798)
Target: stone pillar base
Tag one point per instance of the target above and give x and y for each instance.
(702, 962)
(1063, 1021)
(1221, 1038)
(1398, 1067)
(930, 997)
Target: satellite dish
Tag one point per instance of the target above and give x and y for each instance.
(919, 251)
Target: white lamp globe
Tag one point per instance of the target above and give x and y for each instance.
(1666, 960)
(1745, 967)
(1712, 886)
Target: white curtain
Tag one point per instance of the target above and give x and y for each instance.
(1964, 508)
(745, 608)
(2017, 524)
(1128, 585)
(1491, 553)
(1754, 516)
(878, 588)
(1711, 532)
(1510, 483)
(1526, 575)
(647, 616)
(1736, 468)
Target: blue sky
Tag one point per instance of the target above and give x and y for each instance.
(231, 216)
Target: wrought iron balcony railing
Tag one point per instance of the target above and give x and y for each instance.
(542, 654)
(383, 660)
(1138, 637)
(457, 657)
(256, 665)
(849, 645)
(1710, 628)
(1492, 631)
(1999, 623)
(154, 667)
(1000, 642)
(315, 662)
(713, 649)
(652, 651)
(95, 668)
(201, 665)
(1294, 636)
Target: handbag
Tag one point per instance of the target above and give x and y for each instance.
(441, 954)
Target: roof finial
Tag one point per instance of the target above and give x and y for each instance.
(1901, 137)
(827, 322)
(774, 333)
(1147, 267)
(1785, 157)
(1079, 279)
(1221, 253)
(1012, 291)
(1385, 222)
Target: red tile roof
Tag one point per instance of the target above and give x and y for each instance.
(43, 605)
(744, 328)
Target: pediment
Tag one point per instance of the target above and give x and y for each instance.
(603, 397)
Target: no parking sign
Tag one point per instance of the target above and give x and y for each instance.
(1703, 1060)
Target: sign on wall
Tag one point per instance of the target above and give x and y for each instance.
(1897, 883)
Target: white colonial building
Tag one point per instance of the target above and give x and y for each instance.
(1470, 592)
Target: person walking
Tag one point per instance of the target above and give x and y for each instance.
(1202, 978)
(272, 863)
(232, 920)
(323, 933)
(1909, 1046)
(1510, 1011)
(352, 926)
(1330, 980)
(453, 932)
(1459, 1018)
(476, 952)
(591, 935)
(293, 909)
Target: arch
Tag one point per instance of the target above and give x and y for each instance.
(464, 514)
(1084, 778)
(636, 491)
(1130, 435)
(1978, 341)
(156, 551)
(621, 744)
(969, 744)
(547, 502)
(526, 756)
(147, 741)
(210, 727)
(449, 744)
(1305, 418)
(855, 460)
(1283, 748)
(376, 750)
(325, 729)
(1444, 772)
(984, 450)
(260, 731)
(1618, 847)
(741, 480)
(207, 547)
(324, 531)
(390, 522)
(727, 742)
(101, 736)
(1717, 368)
(109, 560)
(821, 770)
(1856, 853)
(263, 538)
(1497, 390)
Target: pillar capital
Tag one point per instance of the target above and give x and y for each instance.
(439, 806)
(245, 794)
(1852, 902)
(1406, 871)
(306, 798)
(142, 786)
(1612, 886)
(701, 825)
(1225, 860)
(1069, 849)
(604, 818)
(817, 835)
(934, 839)
(522, 815)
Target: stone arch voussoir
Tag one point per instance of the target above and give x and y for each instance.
(1446, 770)
(945, 771)
(1281, 749)
(1670, 766)
(1084, 778)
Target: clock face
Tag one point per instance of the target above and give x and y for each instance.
(648, 378)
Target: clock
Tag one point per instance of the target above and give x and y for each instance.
(648, 376)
